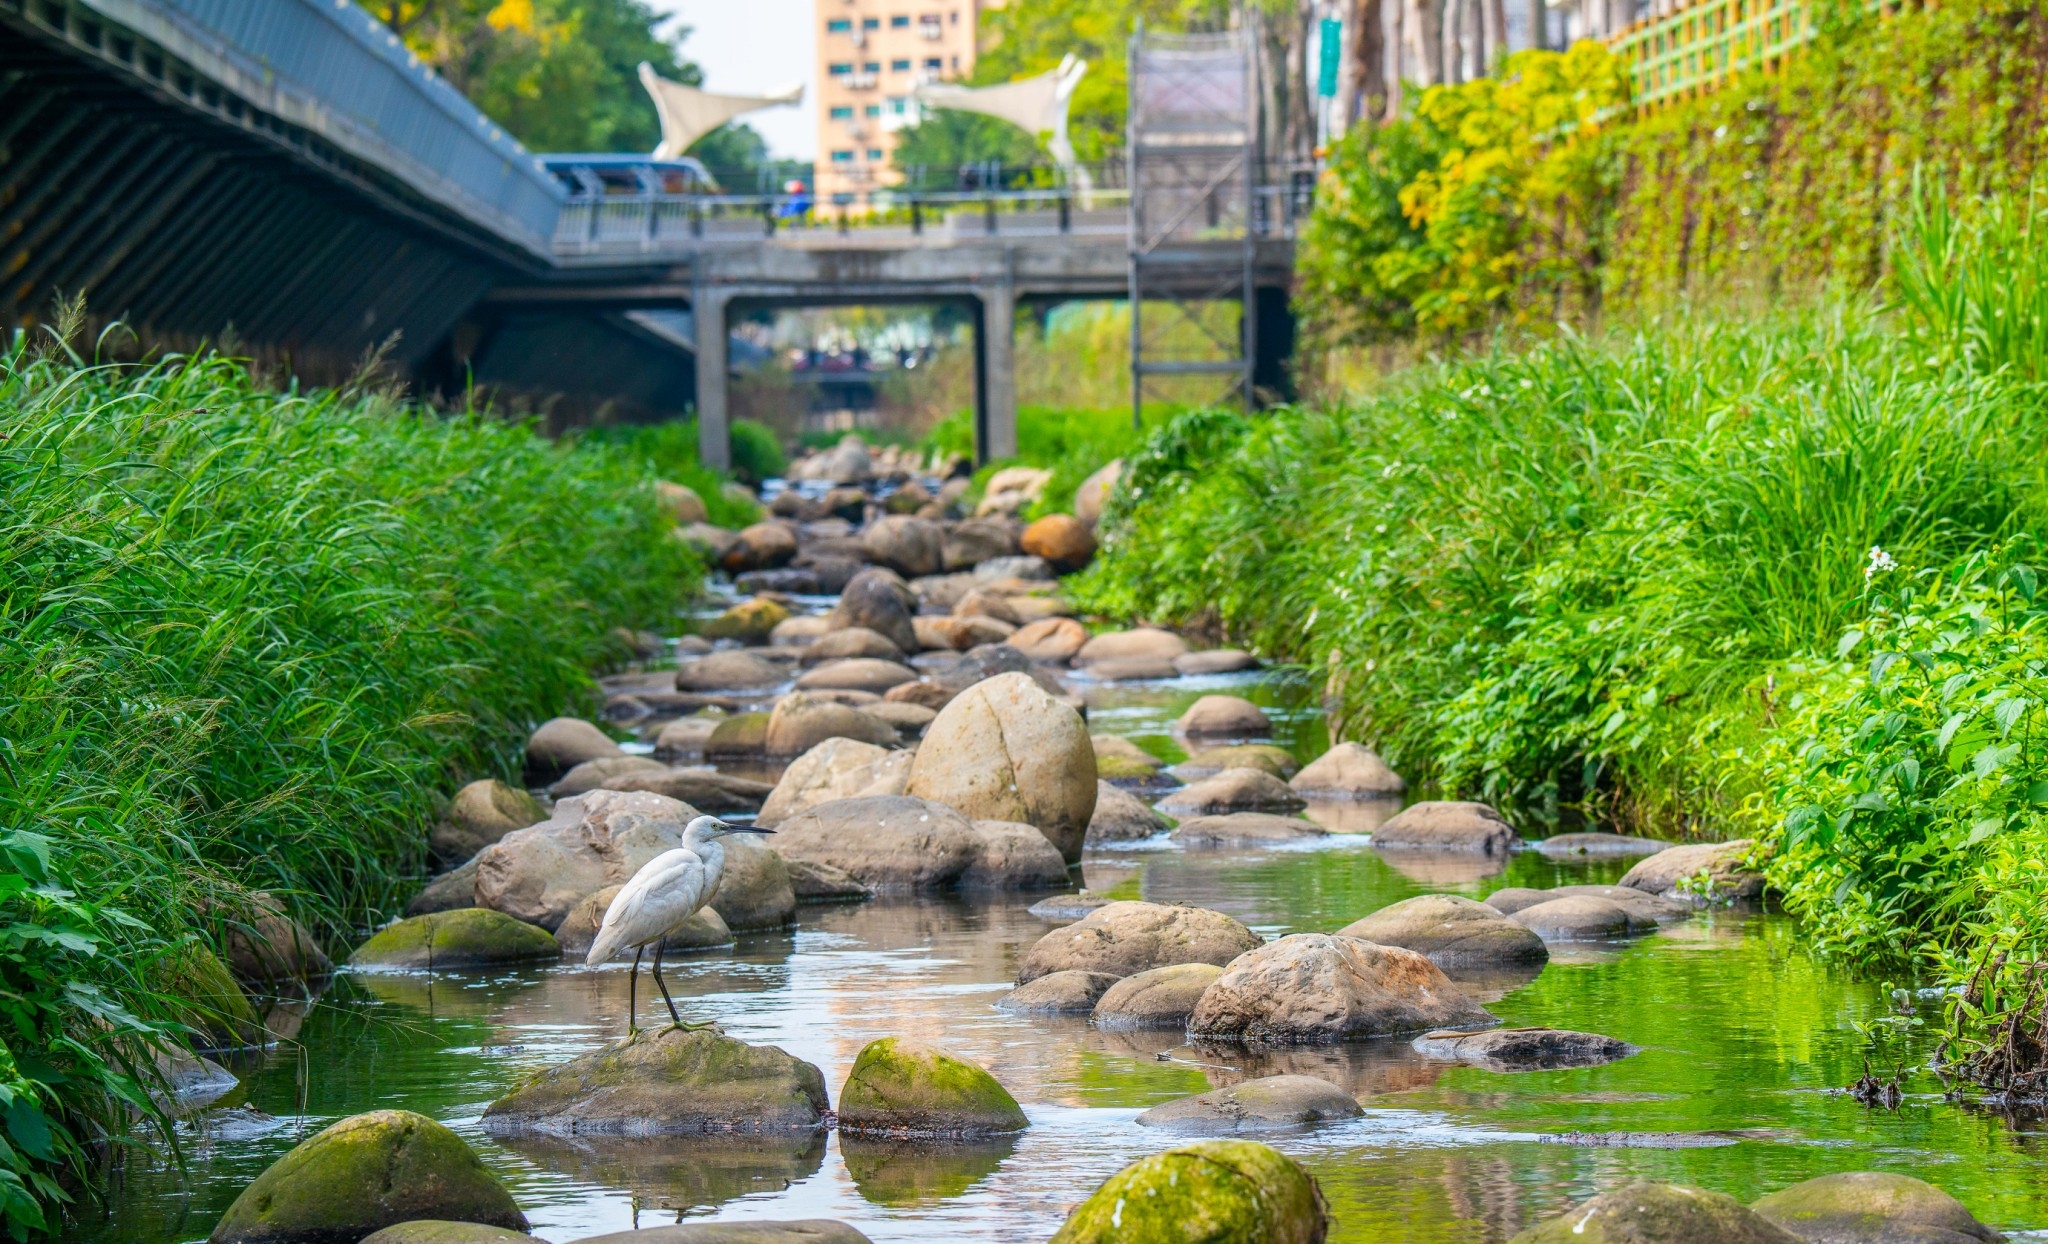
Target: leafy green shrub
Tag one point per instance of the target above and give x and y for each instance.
(1073, 444)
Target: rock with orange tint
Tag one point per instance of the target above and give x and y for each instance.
(1062, 540)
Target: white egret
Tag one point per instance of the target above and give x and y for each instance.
(668, 890)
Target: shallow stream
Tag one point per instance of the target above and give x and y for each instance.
(1746, 1042)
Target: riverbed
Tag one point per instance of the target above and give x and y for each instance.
(1747, 1043)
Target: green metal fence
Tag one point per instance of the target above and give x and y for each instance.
(1701, 46)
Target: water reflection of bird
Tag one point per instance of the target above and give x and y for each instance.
(661, 897)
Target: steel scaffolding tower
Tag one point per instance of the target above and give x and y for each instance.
(1193, 162)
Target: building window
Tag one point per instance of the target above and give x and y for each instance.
(900, 66)
(843, 112)
(877, 154)
(875, 66)
(900, 22)
(954, 17)
(870, 23)
(956, 64)
(839, 69)
(873, 110)
(898, 105)
(842, 157)
(934, 63)
(839, 26)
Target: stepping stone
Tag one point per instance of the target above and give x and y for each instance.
(1233, 790)
(1240, 829)
(1450, 827)
(1269, 1103)
(1523, 1049)
(1595, 846)
(1159, 998)
(1348, 771)
(1451, 931)
(1215, 661)
(1061, 993)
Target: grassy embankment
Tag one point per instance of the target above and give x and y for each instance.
(252, 638)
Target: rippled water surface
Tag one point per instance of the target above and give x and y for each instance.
(1746, 1041)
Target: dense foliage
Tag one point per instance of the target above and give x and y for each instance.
(1073, 444)
(252, 641)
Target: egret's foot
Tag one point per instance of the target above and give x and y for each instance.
(683, 1025)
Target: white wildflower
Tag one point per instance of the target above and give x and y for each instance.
(1880, 561)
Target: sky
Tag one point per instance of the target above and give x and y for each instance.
(748, 47)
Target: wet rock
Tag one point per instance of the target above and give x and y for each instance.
(755, 891)
(665, 1083)
(367, 1172)
(1312, 988)
(907, 1089)
(851, 642)
(735, 670)
(1120, 816)
(267, 947)
(467, 938)
(1062, 540)
(1210, 1191)
(685, 737)
(960, 634)
(1452, 932)
(1013, 857)
(986, 661)
(856, 674)
(1654, 1213)
(1210, 761)
(763, 546)
(206, 998)
(539, 874)
(1094, 492)
(752, 1231)
(713, 542)
(1523, 1049)
(1145, 641)
(1595, 846)
(191, 1083)
(579, 929)
(831, 571)
(750, 621)
(923, 692)
(1132, 669)
(450, 891)
(889, 843)
(801, 722)
(849, 505)
(1245, 829)
(595, 774)
(838, 768)
(1158, 998)
(1004, 750)
(1053, 640)
(878, 601)
(702, 789)
(799, 632)
(1126, 938)
(1233, 790)
(1576, 918)
(1224, 716)
(1067, 908)
(908, 499)
(1120, 759)
(742, 734)
(1644, 909)
(984, 604)
(1058, 993)
(562, 743)
(908, 720)
(480, 814)
(1873, 1207)
(1348, 771)
(821, 883)
(1215, 661)
(439, 1231)
(1267, 1104)
(1027, 569)
(975, 541)
(680, 501)
(1702, 871)
(788, 581)
(848, 462)
(1447, 826)
(1011, 488)
(908, 546)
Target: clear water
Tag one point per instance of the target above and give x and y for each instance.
(1746, 1040)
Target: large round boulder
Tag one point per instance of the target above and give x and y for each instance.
(1348, 771)
(1224, 716)
(1093, 494)
(469, 937)
(1120, 816)
(562, 743)
(838, 768)
(674, 1081)
(1312, 988)
(1145, 641)
(1060, 993)
(909, 546)
(266, 947)
(1576, 918)
(800, 722)
(480, 814)
(849, 642)
(1267, 1104)
(539, 874)
(1004, 750)
(1677, 872)
(878, 601)
(907, 1089)
(754, 890)
(1158, 998)
(762, 546)
(1125, 938)
(976, 541)
(1209, 1192)
(856, 674)
(1062, 540)
(1233, 790)
(1873, 1207)
(1447, 826)
(1654, 1213)
(1453, 932)
(1013, 857)
(681, 501)
(367, 1172)
(886, 842)
(739, 670)
(1052, 640)
(742, 734)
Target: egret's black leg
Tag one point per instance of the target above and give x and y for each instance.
(632, 997)
(662, 985)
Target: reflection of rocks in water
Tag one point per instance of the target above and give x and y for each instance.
(1099, 875)
(1495, 981)
(284, 1017)
(1439, 868)
(1360, 1068)
(1351, 816)
(678, 1172)
(896, 1172)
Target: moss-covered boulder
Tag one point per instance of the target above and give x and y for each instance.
(1209, 1192)
(1873, 1207)
(365, 1173)
(438, 1231)
(1268, 758)
(742, 734)
(668, 1083)
(1654, 1213)
(468, 937)
(750, 621)
(759, 1231)
(907, 1089)
(266, 947)
(480, 814)
(208, 999)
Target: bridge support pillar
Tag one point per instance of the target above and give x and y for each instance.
(995, 415)
(714, 378)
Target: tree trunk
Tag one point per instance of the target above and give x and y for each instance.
(1496, 33)
(1539, 25)
(1397, 60)
(1426, 28)
(1453, 37)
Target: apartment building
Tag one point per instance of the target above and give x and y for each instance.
(871, 54)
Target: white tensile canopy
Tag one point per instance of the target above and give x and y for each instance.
(1037, 104)
(688, 114)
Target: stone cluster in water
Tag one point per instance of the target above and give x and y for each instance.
(911, 673)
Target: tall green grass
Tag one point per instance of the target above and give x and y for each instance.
(1072, 443)
(250, 640)
(671, 448)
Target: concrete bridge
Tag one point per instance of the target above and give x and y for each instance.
(285, 171)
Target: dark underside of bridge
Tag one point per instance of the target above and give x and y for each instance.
(191, 217)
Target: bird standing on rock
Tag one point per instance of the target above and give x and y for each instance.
(666, 892)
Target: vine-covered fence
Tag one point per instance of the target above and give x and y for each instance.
(1705, 43)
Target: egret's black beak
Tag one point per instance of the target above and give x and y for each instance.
(748, 829)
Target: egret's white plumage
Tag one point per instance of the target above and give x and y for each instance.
(662, 896)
